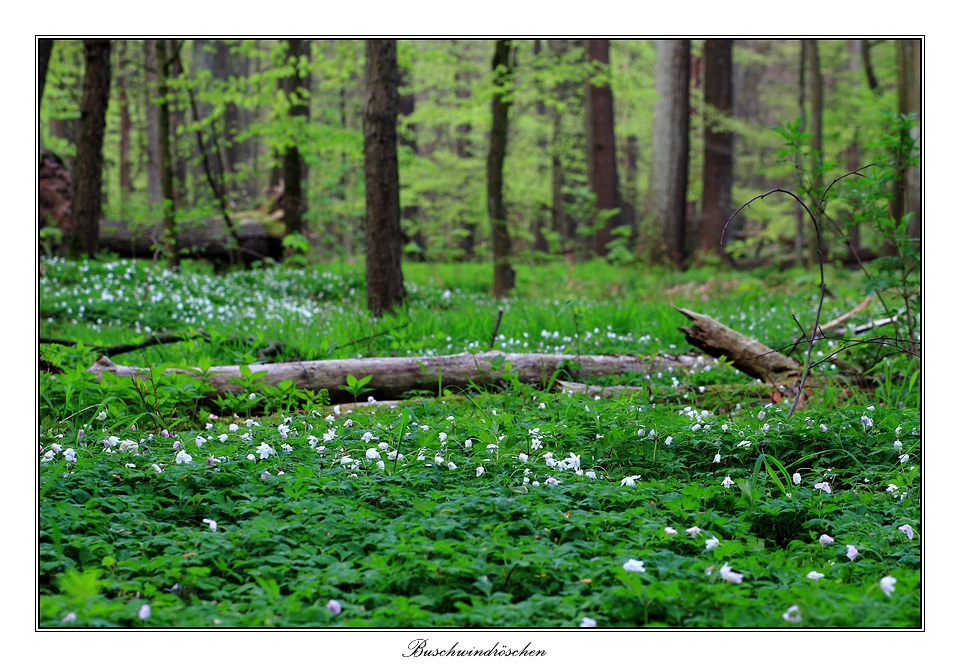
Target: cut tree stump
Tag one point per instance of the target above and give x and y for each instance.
(395, 376)
(746, 354)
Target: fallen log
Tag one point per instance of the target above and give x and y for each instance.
(207, 238)
(394, 377)
(746, 354)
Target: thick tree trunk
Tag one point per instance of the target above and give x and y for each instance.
(395, 376)
(671, 148)
(88, 169)
(601, 146)
(44, 49)
(503, 274)
(717, 145)
(292, 177)
(385, 290)
(166, 158)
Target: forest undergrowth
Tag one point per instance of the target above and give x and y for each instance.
(693, 502)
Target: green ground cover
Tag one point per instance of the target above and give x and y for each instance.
(681, 506)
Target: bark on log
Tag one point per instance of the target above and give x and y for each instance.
(747, 355)
(206, 239)
(395, 376)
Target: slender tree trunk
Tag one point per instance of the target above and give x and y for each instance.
(126, 180)
(799, 216)
(909, 74)
(539, 221)
(88, 169)
(409, 140)
(601, 145)
(816, 141)
(292, 178)
(385, 290)
(152, 117)
(464, 149)
(852, 153)
(671, 148)
(44, 49)
(631, 153)
(868, 66)
(166, 158)
(503, 274)
(717, 145)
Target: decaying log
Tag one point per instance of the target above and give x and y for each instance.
(746, 354)
(207, 239)
(395, 376)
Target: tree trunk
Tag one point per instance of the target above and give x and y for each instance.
(717, 144)
(292, 178)
(868, 66)
(411, 213)
(395, 376)
(798, 212)
(464, 149)
(629, 196)
(126, 179)
(88, 169)
(671, 148)
(152, 121)
(816, 141)
(601, 146)
(44, 49)
(503, 274)
(385, 290)
(909, 74)
(166, 158)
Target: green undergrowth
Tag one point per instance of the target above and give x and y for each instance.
(691, 503)
(502, 510)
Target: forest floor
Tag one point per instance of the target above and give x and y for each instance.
(697, 502)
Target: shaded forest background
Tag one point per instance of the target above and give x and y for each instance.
(602, 157)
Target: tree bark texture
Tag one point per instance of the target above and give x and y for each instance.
(909, 75)
(816, 138)
(126, 178)
(88, 169)
(717, 145)
(166, 158)
(292, 177)
(395, 376)
(385, 290)
(44, 49)
(503, 274)
(152, 120)
(671, 148)
(601, 146)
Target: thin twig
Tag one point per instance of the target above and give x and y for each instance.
(496, 328)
